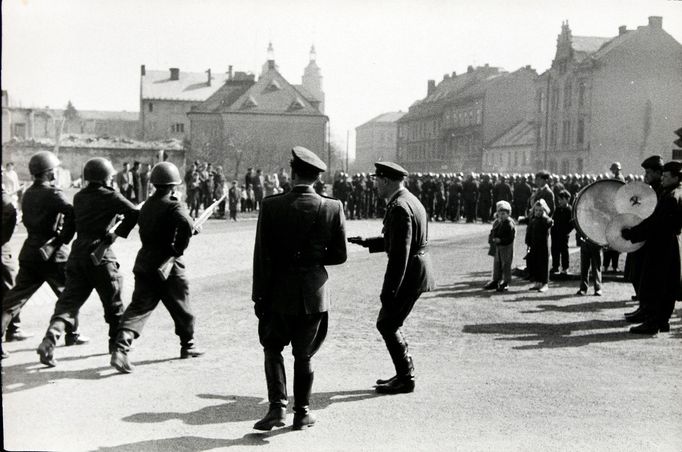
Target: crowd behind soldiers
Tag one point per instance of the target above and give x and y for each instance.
(459, 197)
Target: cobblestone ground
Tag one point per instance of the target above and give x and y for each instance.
(516, 371)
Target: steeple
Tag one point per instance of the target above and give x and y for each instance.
(270, 62)
(312, 78)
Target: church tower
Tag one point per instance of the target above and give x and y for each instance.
(312, 79)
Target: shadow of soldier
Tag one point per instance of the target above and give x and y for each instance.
(241, 408)
(196, 443)
(593, 306)
(554, 335)
(22, 377)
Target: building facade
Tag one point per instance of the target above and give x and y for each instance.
(376, 140)
(449, 129)
(513, 151)
(609, 99)
(249, 123)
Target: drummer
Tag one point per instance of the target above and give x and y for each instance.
(661, 277)
(653, 170)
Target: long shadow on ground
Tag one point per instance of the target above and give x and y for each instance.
(554, 335)
(196, 443)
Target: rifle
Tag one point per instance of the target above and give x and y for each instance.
(98, 254)
(47, 250)
(166, 266)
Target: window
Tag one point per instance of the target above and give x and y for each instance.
(580, 139)
(151, 107)
(19, 130)
(552, 135)
(552, 166)
(178, 128)
(581, 94)
(566, 133)
(555, 98)
(568, 92)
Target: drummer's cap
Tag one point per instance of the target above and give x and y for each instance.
(674, 167)
(542, 203)
(307, 159)
(615, 165)
(503, 205)
(390, 170)
(542, 175)
(655, 162)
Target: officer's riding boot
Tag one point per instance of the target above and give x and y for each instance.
(15, 332)
(303, 388)
(119, 357)
(403, 382)
(46, 347)
(277, 392)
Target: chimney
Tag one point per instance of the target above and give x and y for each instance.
(208, 72)
(656, 22)
(430, 87)
(454, 74)
(229, 72)
(143, 71)
(446, 76)
(470, 69)
(174, 73)
(622, 30)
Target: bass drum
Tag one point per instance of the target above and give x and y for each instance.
(594, 208)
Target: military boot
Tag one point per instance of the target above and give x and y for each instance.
(46, 350)
(190, 350)
(277, 392)
(119, 357)
(303, 388)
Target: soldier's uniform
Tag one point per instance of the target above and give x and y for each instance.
(408, 274)
(96, 209)
(165, 230)
(298, 234)
(469, 198)
(9, 265)
(46, 214)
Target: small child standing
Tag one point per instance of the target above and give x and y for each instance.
(590, 259)
(563, 225)
(537, 238)
(502, 242)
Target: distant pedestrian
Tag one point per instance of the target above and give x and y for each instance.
(537, 239)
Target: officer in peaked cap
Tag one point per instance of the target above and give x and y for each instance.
(298, 233)
(408, 272)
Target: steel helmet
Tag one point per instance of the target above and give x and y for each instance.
(98, 169)
(165, 173)
(42, 161)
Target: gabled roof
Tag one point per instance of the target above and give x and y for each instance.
(520, 134)
(260, 97)
(588, 44)
(190, 86)
(307, 94)
(389, 117)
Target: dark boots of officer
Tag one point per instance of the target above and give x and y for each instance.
(403, 381)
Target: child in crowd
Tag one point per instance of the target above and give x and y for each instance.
(590, 258)
(537, 238)
(502, 242)
(563, 225)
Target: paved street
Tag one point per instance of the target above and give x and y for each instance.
(518, 371)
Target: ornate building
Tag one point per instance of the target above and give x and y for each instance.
(609, 99)
(376, 140)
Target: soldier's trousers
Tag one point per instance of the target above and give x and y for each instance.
(470, 211)
(391, 317)
(149, 290)
(9, 275)
(590, 263)
(31, 276)
(306, 333)
(81, 278)
(611, 258)
(484, 210)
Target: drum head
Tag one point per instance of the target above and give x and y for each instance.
(614, 228)
(594, 208)
(637, 198)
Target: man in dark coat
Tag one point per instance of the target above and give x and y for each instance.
(485, 198)
(48, 218)
(96, 208)
(469, 198)
(661, 276)
(522, 194)
(544, 191)
(653, 170)
(408, 272)
(298, 233)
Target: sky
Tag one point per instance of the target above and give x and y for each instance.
(375, 56)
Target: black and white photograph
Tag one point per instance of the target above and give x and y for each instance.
(341, 225)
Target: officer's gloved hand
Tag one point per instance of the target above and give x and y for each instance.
(260, 309)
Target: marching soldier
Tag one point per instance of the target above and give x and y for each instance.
(48, 218)
(165, 229)
(96, 208)
(408, 272)
(298, 234)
